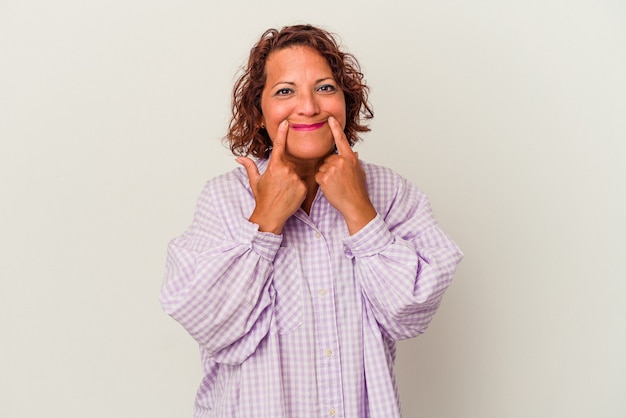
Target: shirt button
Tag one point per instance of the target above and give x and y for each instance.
(323, 292)
(318, 235)
(332, 412)
(329, 353)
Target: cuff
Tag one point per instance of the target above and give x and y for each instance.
(372, 239)
(265, 244)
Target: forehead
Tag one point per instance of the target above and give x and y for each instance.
(294, 60)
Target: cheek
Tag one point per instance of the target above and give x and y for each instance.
(273, 115)
(341, 116)
(339, 111)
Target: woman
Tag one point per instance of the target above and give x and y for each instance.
(303, 267)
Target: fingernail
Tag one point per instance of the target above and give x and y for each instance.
(284, 123)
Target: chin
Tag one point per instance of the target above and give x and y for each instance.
(311, 151)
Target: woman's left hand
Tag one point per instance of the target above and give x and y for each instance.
(342, 179)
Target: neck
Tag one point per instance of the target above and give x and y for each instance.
(307, 171)
(311, 192)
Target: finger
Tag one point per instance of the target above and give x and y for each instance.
(278, 145)
(343, 146)
(251, 168)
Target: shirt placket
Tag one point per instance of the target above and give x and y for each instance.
(327, 350)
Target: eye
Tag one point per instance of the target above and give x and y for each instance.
(284, 91)
(326, 88)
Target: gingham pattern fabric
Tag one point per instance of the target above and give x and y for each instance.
(304, 324)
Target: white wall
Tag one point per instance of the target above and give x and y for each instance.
(510, 115)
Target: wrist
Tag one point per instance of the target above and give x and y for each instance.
(266, 224)
(359, 217)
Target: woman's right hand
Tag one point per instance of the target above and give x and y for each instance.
(279, 191)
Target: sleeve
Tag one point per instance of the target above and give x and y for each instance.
(217, 282)
(404, 263)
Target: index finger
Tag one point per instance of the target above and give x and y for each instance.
(343, 146)
(278, 144)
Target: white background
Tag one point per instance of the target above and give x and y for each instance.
(510, 115)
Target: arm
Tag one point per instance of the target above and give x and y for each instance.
(403, 261)
(218, 280)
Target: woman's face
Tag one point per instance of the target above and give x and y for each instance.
(300, 88)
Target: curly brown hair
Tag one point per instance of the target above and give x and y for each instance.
(245, 136)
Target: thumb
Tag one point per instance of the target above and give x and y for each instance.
(251, 169)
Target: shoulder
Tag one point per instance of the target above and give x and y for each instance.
(226, 189)
(390, 191)
(384, 178)
(380, 171)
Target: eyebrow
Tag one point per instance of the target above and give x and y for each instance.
(291, 83)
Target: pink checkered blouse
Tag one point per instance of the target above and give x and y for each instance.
(304, 324)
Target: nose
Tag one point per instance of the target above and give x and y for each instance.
(307, 105)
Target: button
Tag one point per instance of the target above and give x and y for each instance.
(323, 292)
(329, 353)
(332, 412)
(318, 235)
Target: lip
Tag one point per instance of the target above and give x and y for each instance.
(305, 127)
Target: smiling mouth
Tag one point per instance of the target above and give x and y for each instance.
(305, 127)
